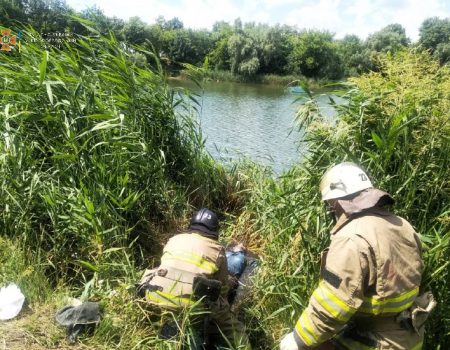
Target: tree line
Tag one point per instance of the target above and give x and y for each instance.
(244, 49)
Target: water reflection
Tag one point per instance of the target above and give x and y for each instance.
(250, 120)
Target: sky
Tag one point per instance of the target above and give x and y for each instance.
(341, 17)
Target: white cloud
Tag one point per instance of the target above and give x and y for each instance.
(204, 13)
(415, 12)
(363, 17)
(360, 17)
(321, 15)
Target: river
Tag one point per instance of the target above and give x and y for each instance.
(251, 120)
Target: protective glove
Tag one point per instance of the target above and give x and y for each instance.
(288, 342)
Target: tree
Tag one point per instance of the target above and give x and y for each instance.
(442, 53)
(186, 46)
(48, 16)
(219, 57)
(171, 24)
(174, 24)
(391, 38)
(103, 23)
(355, 55)
(315, 54)
(136, 31)
(45, 16)
(243, 54)
(434, 35)
(11, 12)
(242, 51)
(272, 46)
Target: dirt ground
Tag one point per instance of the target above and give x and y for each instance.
(35, 329)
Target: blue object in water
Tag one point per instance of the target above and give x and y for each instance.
(296, 89)
(236, 263)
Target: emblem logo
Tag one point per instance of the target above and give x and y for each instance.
(8, 40)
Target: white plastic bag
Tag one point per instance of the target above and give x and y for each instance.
(11, 302)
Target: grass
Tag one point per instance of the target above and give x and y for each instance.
(396, 123)
(93, 151)
(97, 170)
(270, 79)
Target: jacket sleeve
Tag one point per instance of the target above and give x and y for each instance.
(338, 296)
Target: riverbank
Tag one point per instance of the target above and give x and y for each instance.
(268, 79)
(88, 200)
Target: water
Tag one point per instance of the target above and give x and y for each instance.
(251, 120)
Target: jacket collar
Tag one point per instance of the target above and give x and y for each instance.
(343, 219)
(367, 201)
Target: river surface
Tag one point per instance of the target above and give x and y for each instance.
(251, 120)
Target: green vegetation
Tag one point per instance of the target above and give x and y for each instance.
(98, 168)
(397, 124)
(246, 50)
(434, 36)
(94, 163)
(91, 142)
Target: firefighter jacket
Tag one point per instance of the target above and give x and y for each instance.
(369, 275)
(185, 256)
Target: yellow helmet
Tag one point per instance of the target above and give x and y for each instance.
(342, 180)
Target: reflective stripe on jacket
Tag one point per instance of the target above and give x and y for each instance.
(371, 272)
(185, 256)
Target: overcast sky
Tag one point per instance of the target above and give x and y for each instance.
(360, 17)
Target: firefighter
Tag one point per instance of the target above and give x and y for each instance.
(368, 293)
(195, 252)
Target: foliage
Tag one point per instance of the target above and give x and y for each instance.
(355, 55)
(243, 53)
(92, 151)
(435, 36)
(315, 54)
(103, 23)
(389, 39)
(21, 266)
(49, 16)
(245, 49)
(97, 154)
(396, 124)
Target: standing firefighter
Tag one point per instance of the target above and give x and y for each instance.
(187, 257)
(368, 294)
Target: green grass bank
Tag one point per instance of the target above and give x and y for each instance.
(97, 169)
(269, 79)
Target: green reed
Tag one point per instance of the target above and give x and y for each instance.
(99, 159)
(93, 153)
(396, 123)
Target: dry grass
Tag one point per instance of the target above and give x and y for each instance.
(35, 329)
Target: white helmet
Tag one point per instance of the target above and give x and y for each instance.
(342, 180)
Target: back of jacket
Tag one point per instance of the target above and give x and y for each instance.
(391, 266)
(186, 256)
(371, 272)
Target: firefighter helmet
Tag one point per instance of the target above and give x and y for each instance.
(205, 221)
(342, 180)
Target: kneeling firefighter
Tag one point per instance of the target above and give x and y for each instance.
(368, 294)
(188, 257)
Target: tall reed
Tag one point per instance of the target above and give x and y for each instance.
(93, 155)
(395, 123)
